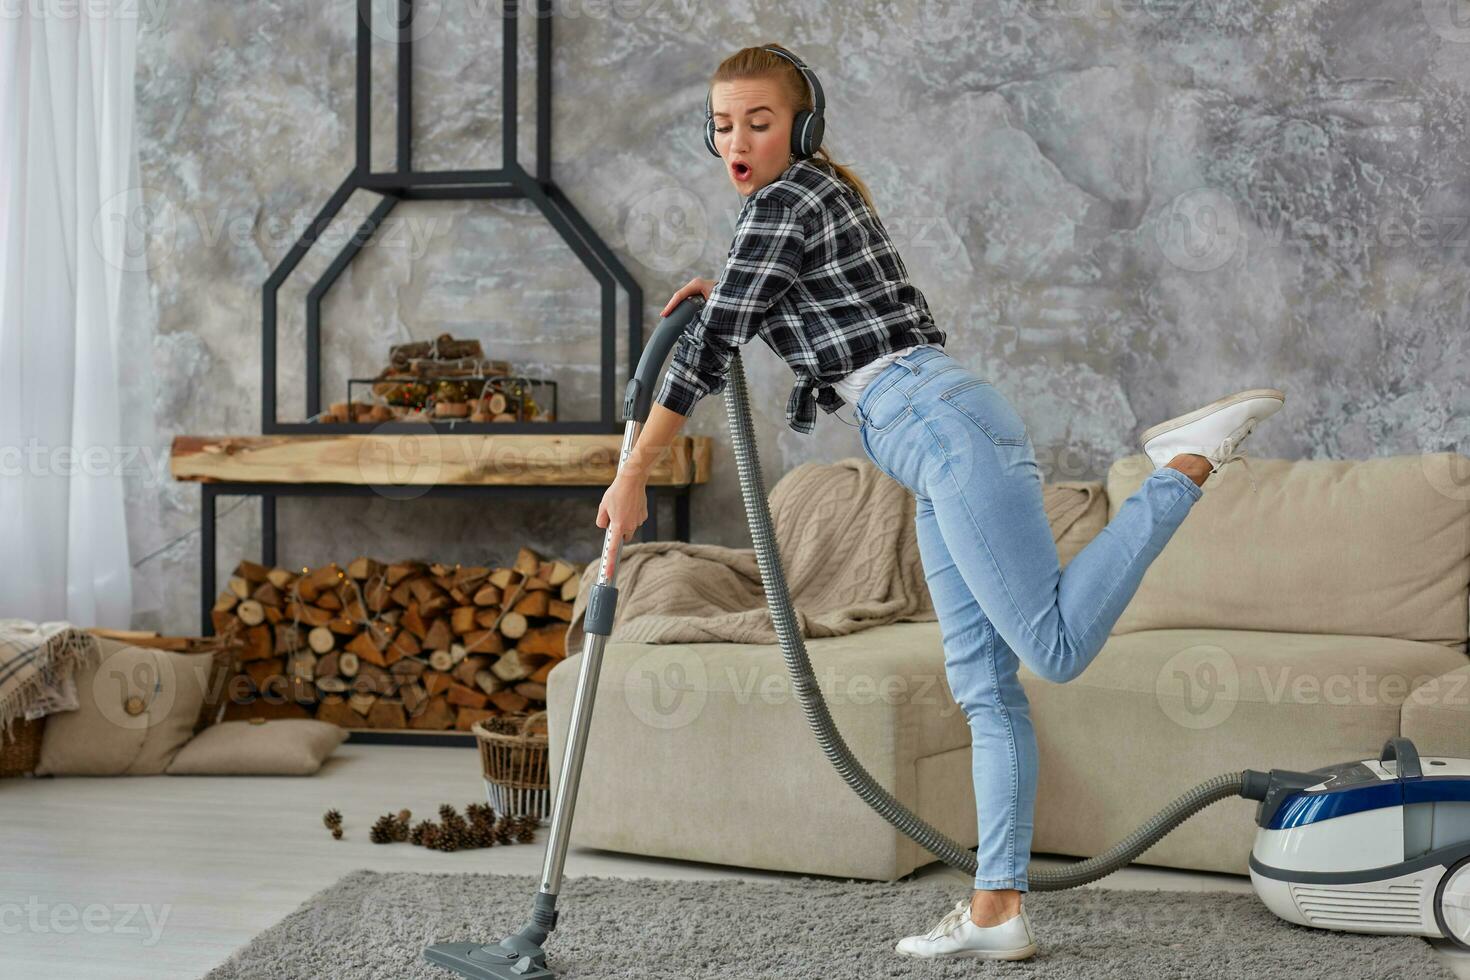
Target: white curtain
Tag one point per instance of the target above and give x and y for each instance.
(67, 174)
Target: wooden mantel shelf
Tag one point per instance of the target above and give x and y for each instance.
(424, 460)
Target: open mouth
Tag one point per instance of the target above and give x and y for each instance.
(740, 169)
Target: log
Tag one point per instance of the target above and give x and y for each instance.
(435, 715)
(400, 570)
(348, 664)
(510, 667)
(387, 713)
(550, 640)
(570, 588)
(251, 613)
(362, 703)
(226, 601)
(528, 563)
(372, 679)
(267, 595)
(468, 668)
(303, 665)
(238, 587)
(412, 621)
(465, 718)
(532, 603)
(436, 682)
(440, 637)
(559, 609)
(281, 578)
(488, 595)
(560, 572)
(509, 701)
(414, 697)
(326, 666)
(403, 645)
(362, 644)
(257, 643)
(531, 690)
(461, 620)
(261, 671)
(251, 572)
(364, 568)
(408, 669)
(461, 696)
(513, 625)
(308, 614)
(486, 681)
(331, 685)
(483, 641)
(321, 639)
(340, 713)
(289, 637)
(441, 660)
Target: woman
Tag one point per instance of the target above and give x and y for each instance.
(813, 272)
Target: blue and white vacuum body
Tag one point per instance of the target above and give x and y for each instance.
(1376, 846)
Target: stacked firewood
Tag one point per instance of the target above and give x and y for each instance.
(444, 378)
(407, 644)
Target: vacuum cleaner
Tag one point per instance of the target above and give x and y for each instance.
(1377, 846)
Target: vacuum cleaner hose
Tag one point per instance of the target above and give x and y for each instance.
(804, 683)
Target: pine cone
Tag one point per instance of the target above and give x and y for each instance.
(448, 840)
(480, 813)
(526, 832)
(504, 831)
(400, 826)
(383, 829)
(447, 812)
(416, 835)
(404, 816)
(332, 818)
(430, 836)
(481, 835)
(337, 833)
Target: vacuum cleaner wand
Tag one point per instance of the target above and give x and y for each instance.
(521, 956)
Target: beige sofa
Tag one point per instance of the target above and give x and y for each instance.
(1291, 628)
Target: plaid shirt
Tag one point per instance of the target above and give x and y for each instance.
(814, 273)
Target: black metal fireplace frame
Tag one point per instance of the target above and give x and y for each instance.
(404, 183)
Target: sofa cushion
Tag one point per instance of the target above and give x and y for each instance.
(1159, 711)
(1372, 547)
(701, 751)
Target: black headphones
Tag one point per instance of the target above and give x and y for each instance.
(806, 128)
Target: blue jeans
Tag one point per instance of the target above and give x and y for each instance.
(991, 565)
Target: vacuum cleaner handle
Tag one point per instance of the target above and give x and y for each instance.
(1407, 757)
(643, 385)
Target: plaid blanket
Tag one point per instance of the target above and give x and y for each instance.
(37, 662)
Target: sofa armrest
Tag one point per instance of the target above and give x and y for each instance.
(1436, 714)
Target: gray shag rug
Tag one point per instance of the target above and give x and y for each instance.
(376, 925)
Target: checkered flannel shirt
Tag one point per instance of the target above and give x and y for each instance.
(813, 272)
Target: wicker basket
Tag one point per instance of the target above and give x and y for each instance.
(20, 751)
(515, 769)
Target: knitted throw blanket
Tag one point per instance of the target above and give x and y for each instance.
(848, 546)
(36, 666)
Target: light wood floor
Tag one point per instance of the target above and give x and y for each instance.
(163, 876)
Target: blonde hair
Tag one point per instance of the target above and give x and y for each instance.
(757, 63)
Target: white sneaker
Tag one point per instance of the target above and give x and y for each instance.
(956, 936)
(1214, 431)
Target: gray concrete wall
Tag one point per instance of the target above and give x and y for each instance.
(1117, 211)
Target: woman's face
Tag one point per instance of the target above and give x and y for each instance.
(752, 131)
